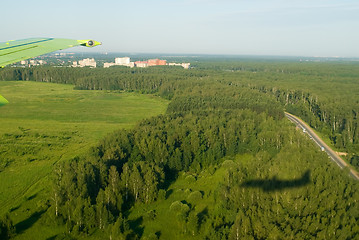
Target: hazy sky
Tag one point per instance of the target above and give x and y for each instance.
(258, 27)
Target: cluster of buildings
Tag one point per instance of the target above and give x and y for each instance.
(88, 62)
(122, 61)
(33, 62)
(126, 61)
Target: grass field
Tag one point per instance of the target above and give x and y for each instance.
(45, 123)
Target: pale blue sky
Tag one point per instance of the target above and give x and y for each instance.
(258, 27)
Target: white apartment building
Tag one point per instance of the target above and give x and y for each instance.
(88, 62)
(122, 61)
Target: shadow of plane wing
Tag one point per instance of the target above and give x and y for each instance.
(274, 184)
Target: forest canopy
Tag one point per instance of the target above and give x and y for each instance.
(225, 123)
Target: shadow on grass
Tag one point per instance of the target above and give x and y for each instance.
(27, 223)
(171, 176)
(15, 208)
(32, 197)
(202, 216)
(135, 225)
(168, 193)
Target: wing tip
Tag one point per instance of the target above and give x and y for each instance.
(3, 101)
(89, 43)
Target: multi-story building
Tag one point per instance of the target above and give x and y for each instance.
(141, 64)
(122, 61)
(162, 62)
(88, 62)
(184, 65)
(156, 62)
(131, 65)
(125, 61)
(152, 62)
(107, 65)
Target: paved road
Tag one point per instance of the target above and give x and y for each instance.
(324, 147)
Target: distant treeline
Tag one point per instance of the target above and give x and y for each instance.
(149, 80)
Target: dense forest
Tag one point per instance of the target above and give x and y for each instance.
(225, 122)
(322, 94)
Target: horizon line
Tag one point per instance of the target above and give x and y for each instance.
(206, 54)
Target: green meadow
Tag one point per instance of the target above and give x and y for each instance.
(45, 123)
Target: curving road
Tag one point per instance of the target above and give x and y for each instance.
(324, 147)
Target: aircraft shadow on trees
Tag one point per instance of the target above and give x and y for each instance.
(275, 184)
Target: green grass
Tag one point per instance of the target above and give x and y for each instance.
(45, 123)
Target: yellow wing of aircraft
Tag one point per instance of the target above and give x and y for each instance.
(17, 50)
